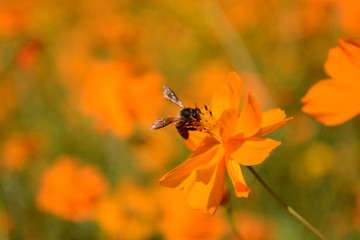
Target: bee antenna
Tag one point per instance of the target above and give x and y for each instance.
(196, 105)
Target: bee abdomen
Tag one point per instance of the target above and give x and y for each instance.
(183, 130)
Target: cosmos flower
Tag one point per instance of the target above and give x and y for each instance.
(19, 149)
(70, 190)
(229, 140)
(129, 211)
(336, 100)
(114, 96)
(349, 16)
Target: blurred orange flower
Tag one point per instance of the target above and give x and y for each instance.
(8, 98)
(118, 98)
(246, 14)
(208, 78)
(14, 17)
(108, 76)
(336, 100)
(251, 227)
(232, 139)
(70, 190)
(18, 149)
(129, 212)
(349, 16)
(148, 147)
(28, 54)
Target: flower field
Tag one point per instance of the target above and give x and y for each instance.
(264, 93)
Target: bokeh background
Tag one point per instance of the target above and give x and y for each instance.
(81, 83)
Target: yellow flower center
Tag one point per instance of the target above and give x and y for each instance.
(209, 124)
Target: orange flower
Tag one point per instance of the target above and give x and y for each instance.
(18, 150)
(232, 140)
(70, 191)
(349, 16)
(14, 17)
(117, 98)
(8, 98)
(107, 75)
(335, 101)
(28, 54)
(148, 147)
(250, 226)
(129, 212)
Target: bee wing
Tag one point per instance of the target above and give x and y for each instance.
(163, 122)
(171, 96)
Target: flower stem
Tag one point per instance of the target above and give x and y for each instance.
(287, 208)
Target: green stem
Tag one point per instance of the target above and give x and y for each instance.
(287, 208)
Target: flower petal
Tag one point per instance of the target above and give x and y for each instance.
(227, 123)
(199, 159)
(236, 87)
(272, 117)
(207, 196)
(343, 62)
(227, 96)
(195, 139)
(272, 120)
(204, 175)
(332, 102)
(221, 101)
(249, 121)
(351, 47)
(251, 151)
(205, 146)
(237, 178)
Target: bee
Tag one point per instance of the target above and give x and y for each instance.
(188, 119)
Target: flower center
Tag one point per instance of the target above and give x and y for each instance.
(209, 124)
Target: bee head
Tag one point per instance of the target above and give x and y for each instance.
(191, 114)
